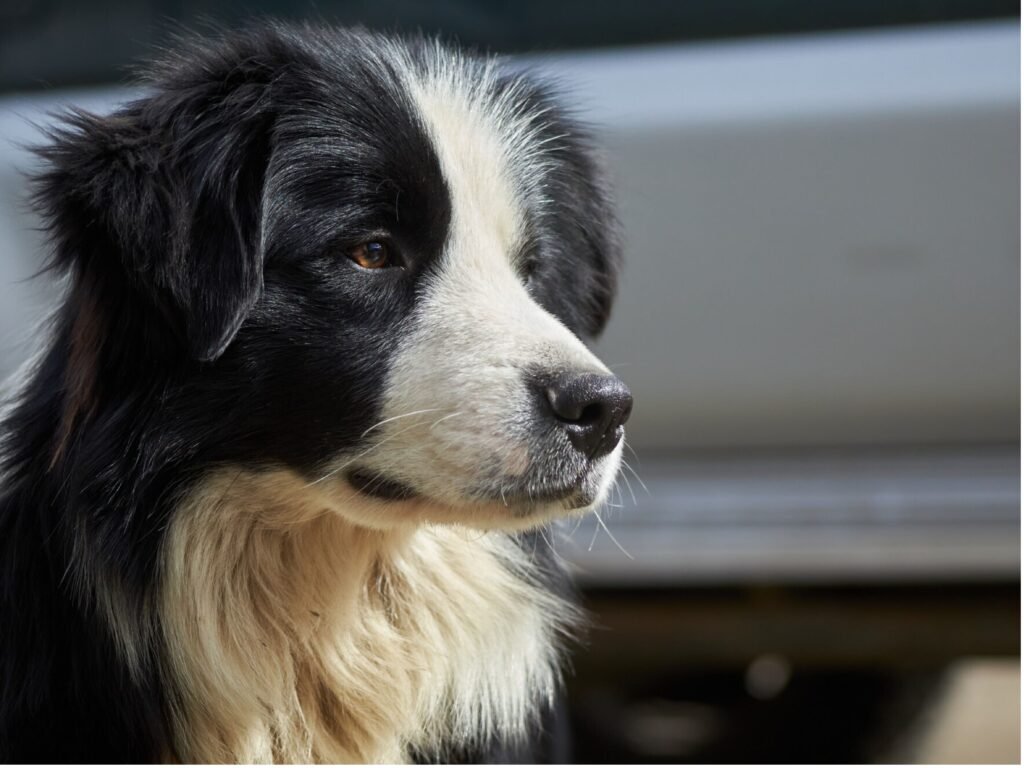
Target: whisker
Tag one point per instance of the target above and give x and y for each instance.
(630, 487)
(614, 540)
(395, 418)
(444, 418)
(551, 545)
(643, 485)
(546, 540)
(593, 539)
(361, 454)
(375, 481)
(631, 450)
(336, 470)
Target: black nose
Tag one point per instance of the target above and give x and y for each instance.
(592, 407)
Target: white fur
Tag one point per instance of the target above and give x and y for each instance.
(293, 636)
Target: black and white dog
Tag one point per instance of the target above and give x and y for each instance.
(268, 493)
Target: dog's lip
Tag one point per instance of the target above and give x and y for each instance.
(570, 490)
(543, 496)
(379, 486)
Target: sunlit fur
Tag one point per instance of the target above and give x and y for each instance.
(192, 566)
(282, 651)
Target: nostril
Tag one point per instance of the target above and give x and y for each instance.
(574, 407)
(591, 414)
(563, 405)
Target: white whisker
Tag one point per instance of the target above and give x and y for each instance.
(614, 540)
(444, 418)
(359, 455)
(643, 485)
(551, 545)
(395, 418)
(593, 539)
(547, 540)
(631, 450)
(630, 487)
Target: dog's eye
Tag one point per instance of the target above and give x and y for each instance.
(371, 255)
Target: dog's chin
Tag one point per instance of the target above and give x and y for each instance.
(380, 502)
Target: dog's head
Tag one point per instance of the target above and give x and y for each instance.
(368, 260)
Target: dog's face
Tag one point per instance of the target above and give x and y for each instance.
(378, 261)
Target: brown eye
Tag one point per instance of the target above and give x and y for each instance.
(371, 255)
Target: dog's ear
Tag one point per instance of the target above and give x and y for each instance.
(585, 245)
(591, 213)
(169, 190)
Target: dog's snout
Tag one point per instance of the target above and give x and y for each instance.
(591, 407)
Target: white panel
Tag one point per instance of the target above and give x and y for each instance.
(823, 235)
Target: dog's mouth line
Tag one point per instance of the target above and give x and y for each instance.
(378, 486)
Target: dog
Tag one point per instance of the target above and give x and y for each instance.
(274, 488)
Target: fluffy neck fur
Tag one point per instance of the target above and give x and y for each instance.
(293, 636)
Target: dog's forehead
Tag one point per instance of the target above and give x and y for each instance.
(484, 137)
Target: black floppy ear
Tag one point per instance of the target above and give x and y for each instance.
(589, 221)
(598, 229)
(580, 238)
(171, 188)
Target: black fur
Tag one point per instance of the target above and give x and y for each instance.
(208, 320)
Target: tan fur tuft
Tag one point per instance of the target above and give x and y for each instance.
(292, 635)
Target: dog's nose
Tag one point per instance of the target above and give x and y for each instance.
(592, 407)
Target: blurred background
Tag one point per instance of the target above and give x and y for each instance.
(815, 556)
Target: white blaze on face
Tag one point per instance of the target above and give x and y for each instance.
(476, 333)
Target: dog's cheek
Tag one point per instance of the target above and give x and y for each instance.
(456, 408)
